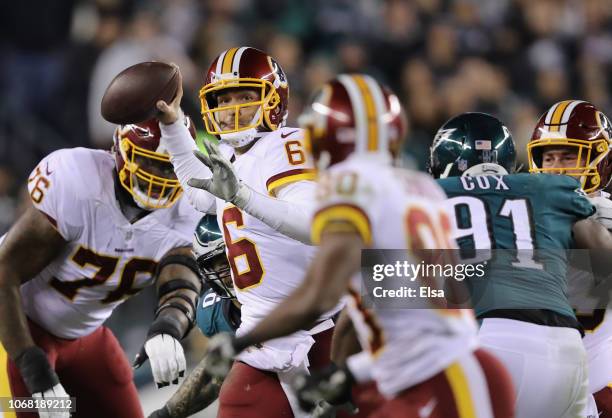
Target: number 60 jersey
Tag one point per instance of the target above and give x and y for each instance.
(395, 209)
(107, 259)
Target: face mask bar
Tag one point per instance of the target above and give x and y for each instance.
(266, 103)
(216, 278)
(587, 174)
(147, 189)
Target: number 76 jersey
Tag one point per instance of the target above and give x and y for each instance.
(514, 215)
(106, 259)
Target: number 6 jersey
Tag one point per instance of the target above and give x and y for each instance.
(107, 259)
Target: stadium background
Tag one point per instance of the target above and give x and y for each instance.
(512, 58)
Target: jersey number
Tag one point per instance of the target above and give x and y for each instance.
(40, 186)
(516, 210)
(242, 253)
(295, 152)
(106, 266)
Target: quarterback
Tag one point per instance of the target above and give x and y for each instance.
(103, 225)
(245, 103)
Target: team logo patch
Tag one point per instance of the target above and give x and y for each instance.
(483, 145)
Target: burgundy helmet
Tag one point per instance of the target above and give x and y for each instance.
(353, 113)
(580, 125)
(143, 164)
(246, 67)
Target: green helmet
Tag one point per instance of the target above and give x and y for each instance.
(469, 140)
(209, 250)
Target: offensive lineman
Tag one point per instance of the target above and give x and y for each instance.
(103, 226)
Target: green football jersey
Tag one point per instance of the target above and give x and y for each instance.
(501, 220)
(215, 315)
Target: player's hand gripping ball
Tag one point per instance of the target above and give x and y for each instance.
(133, 94)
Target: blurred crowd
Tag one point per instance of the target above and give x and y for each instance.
(512, 58)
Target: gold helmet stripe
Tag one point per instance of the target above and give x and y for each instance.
(555, 119)
(566, 115)
(359, 111)
(383, 112)
(237, 58)
(227, 60)
(372, 123)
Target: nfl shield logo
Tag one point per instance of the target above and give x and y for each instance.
(462, 165)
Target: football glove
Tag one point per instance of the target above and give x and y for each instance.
(220, 355)
(41, 380)
(332, 385)
(224, 183)
(167, 359)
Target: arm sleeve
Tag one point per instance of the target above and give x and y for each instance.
(573, 200)
(53, 193)
(180, 145)
(290, 213)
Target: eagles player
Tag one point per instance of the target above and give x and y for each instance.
(245, 103)
(522, 301)
(218, 311)
(103, 226)
(574, 138)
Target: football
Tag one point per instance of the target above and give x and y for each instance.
(132, 95)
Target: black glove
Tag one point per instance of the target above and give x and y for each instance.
(331, 384)
(161, 413)
(36, 372)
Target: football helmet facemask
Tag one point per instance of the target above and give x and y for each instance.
(580, 126)
(209, 250)
(245, 68)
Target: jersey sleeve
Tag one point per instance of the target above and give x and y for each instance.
(55, 194)
(286, 160)
(565, 191)
(345, 196)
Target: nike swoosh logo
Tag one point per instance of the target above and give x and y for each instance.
(425, 411)
(289, 134)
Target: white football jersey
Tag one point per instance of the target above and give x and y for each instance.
(267, 266)
(408, 345)
(107, 259)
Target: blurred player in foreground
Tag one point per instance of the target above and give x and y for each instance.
(103, 226)
(426, 362)
(574, 138)
(245, 103)
(218, 311)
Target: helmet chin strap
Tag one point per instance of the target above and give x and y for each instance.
(484, 169)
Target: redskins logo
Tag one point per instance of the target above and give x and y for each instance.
(278, 72)
(605, 125)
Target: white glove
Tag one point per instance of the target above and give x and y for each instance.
(220, 355)
(56, 391)
(167, 359)
(224, 183)
(604, 211)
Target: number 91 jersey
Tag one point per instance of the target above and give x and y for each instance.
(107, 259)
(394, 209)
(520, 213)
